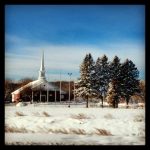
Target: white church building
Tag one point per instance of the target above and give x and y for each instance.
(41, 90)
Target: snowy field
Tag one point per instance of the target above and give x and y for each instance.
(59, 125)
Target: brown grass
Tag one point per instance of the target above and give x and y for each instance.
(80, 116)
(78, 131)
(46, 114)
(70, 131)
(15, 129)
(102, 132)
(20, 114)
(64, 131)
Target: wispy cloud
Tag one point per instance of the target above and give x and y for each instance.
(64, 58)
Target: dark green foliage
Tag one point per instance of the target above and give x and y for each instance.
(114, 92)
(102, 76)
(129, 77)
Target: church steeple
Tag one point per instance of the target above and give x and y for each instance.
(42, 69)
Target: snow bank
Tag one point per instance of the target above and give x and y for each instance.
(96, 125)
(60, 139)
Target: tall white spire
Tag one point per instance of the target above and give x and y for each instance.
(42, 68)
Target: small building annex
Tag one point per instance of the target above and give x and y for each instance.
(41, 90)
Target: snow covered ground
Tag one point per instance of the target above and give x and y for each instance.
(59, 125)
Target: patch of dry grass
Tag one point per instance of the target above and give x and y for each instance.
(69, 131)
(77, 131)
(46, 114)
(15, 129)
(19, 113)
(102, 132)
(63, 131)
(80, 116)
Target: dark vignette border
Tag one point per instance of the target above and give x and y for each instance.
(2, 64)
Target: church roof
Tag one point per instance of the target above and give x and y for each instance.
(41, 83)
(37, 85)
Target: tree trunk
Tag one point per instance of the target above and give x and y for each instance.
(114, 104)
(102, 100)
(127, 101)
(87, 100)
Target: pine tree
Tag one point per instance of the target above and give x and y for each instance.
(115, 68)
(115, 79)
(129, 77)
(112, 95)
(85, 84)
(102, 76)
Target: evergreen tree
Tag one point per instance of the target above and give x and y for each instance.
(102, 76)
(115, 69)
(85, 84)
(129, 77)
(115, 79)
(112, 95)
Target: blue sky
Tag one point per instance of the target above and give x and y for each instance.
(66, 33)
